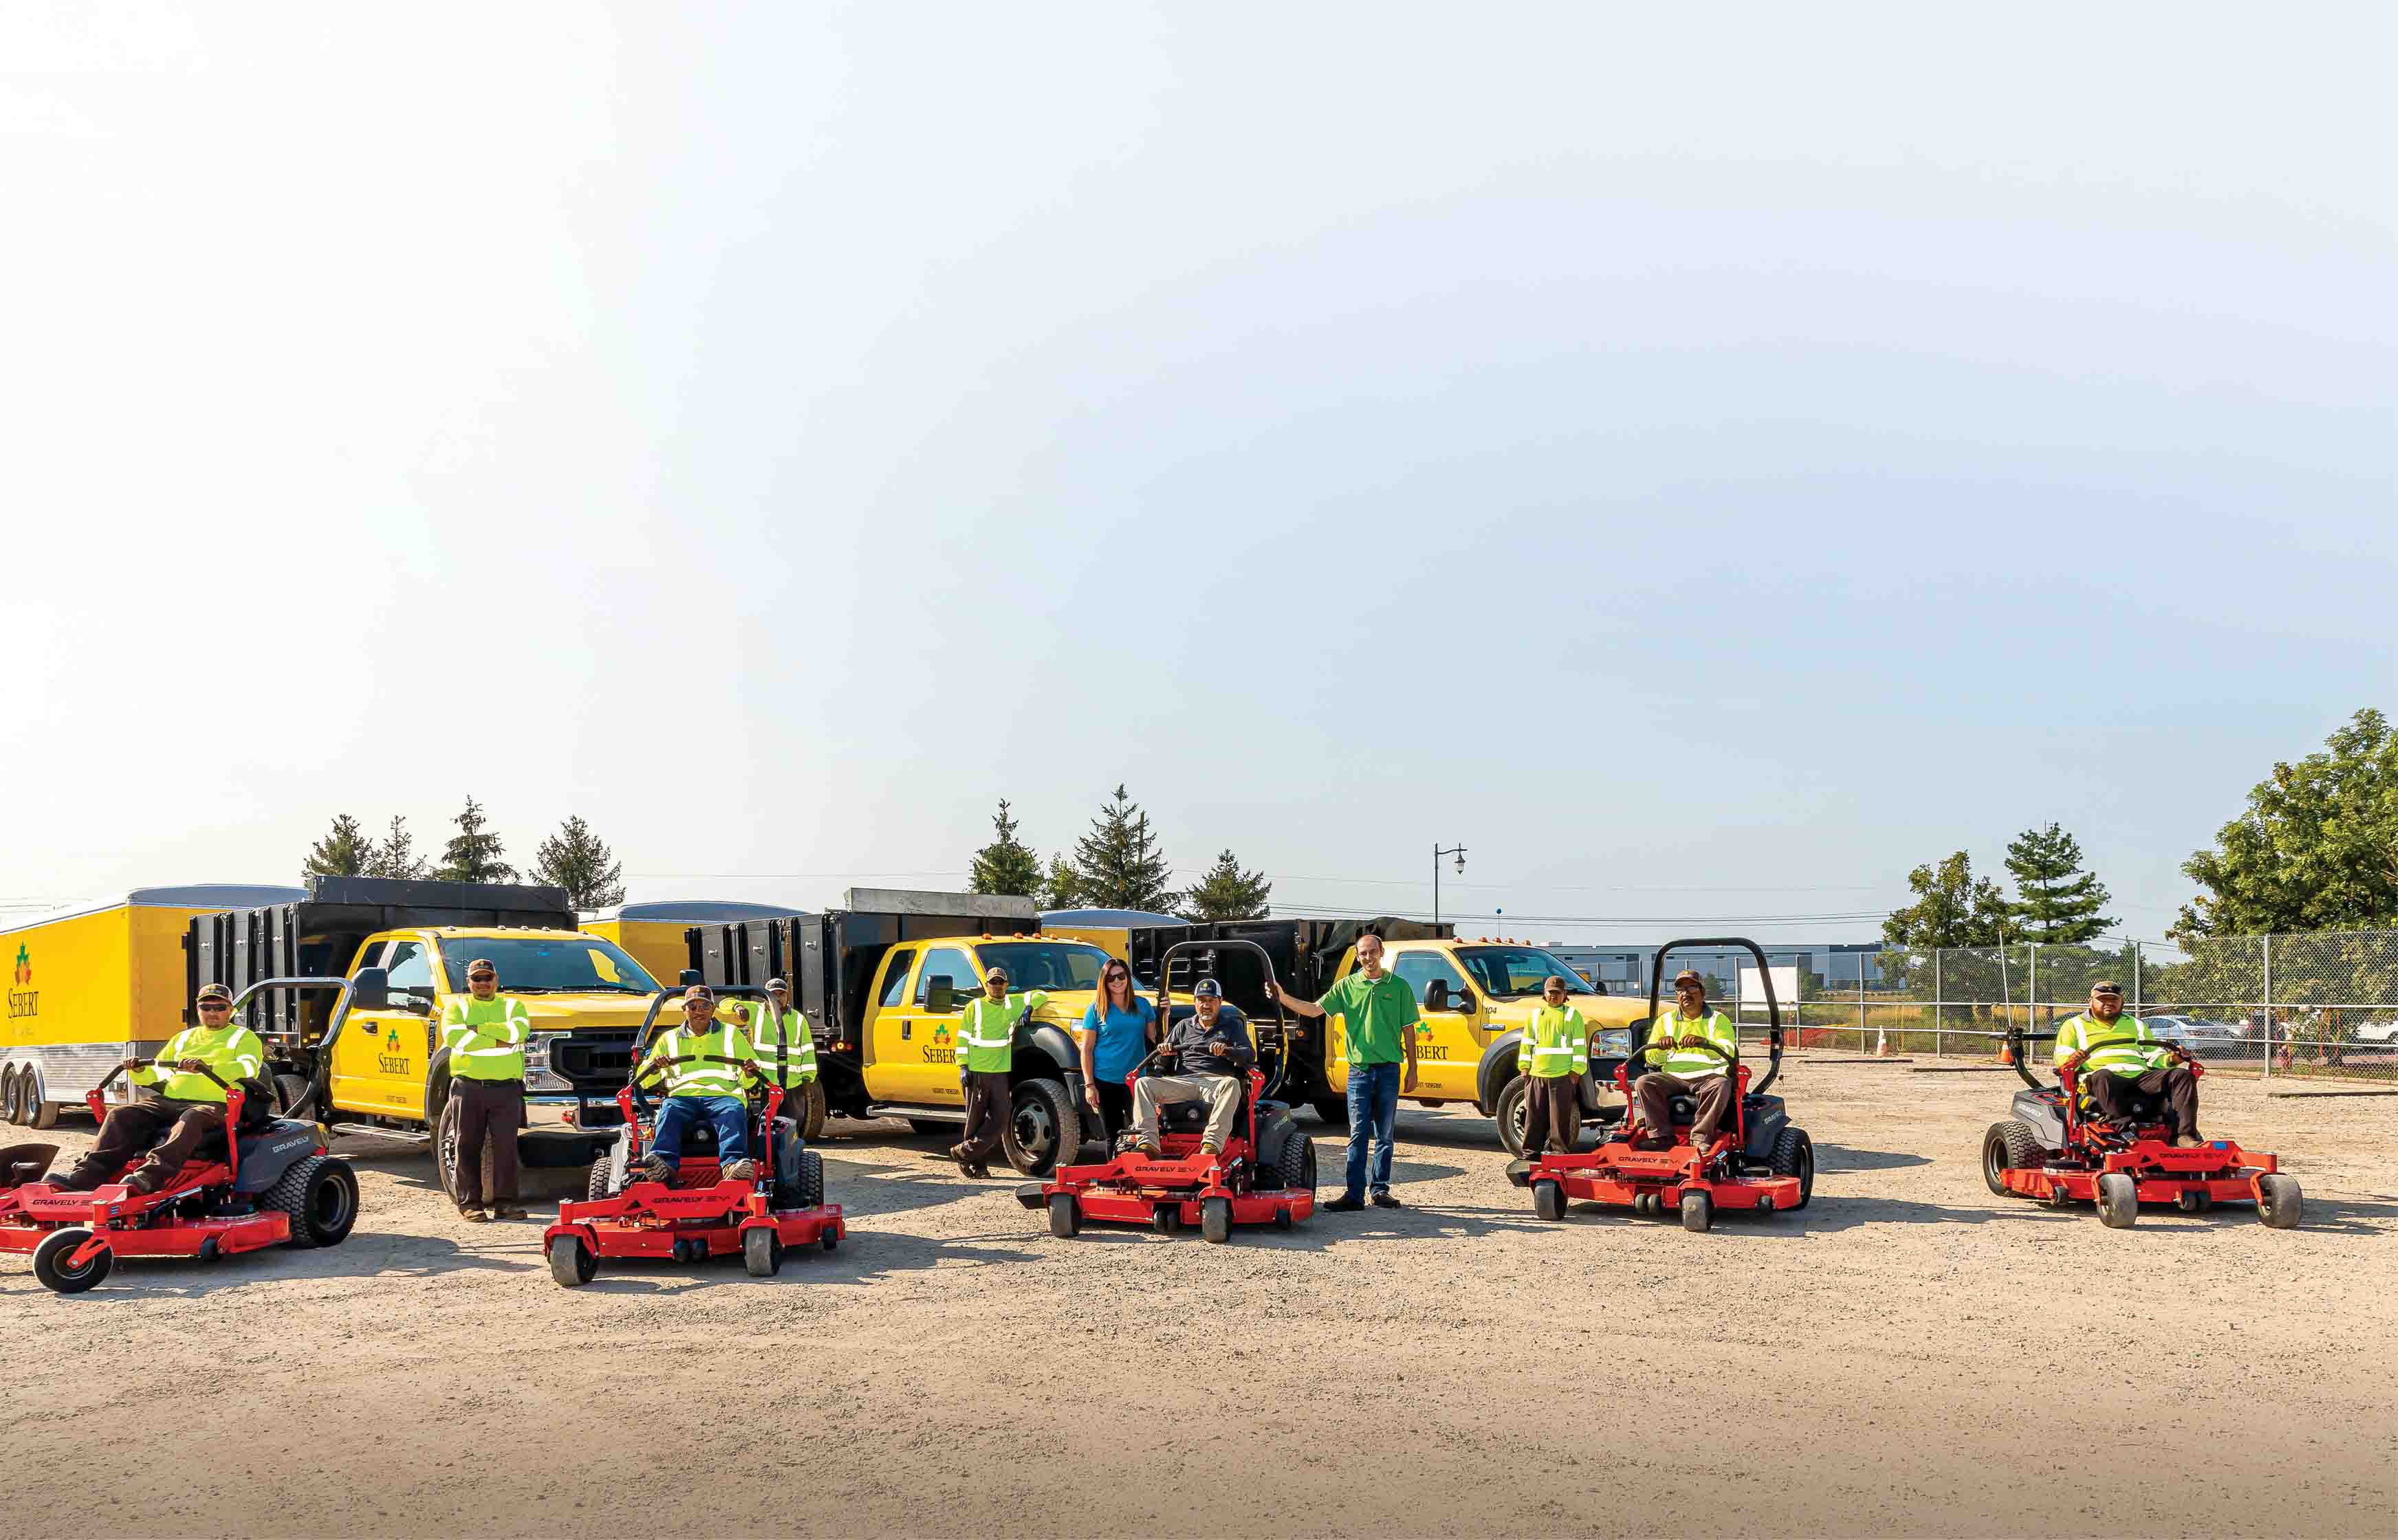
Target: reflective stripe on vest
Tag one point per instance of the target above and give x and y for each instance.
(785, 1045)
(2079, 1032)
(976, 1032)
(1715, 1027)
(722, 1042)
(1555, 1042)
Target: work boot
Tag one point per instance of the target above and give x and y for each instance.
(741, 1171)
(1207, 1149)
(77, 1180)
(145, 1180)
(508, 1211)
(957, 1154)
(2188, 1142)
(653, 1168)
(1149, 1146)
(475, 1215)
(1344, 1204)
(1384, 1201)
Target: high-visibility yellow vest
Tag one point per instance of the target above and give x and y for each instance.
(785, 1032)
(1686, 1063)
(987, 1031)
(485, 1037)
(722, 1040)
(233, 1051)
(1556, 1043)
(2077, 1033)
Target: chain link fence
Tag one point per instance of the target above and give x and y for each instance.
(2323, 1005)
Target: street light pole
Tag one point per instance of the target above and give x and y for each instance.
(1457, 851)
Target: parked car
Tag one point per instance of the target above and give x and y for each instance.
(2198, 1037)
(2383, 1032)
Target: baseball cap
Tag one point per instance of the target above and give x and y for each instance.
(699, 992)
(783, 984)
(2105, 986)
(213, 992)
(1687, 976)
(482, 965)
(1208, 986)
(996, 970)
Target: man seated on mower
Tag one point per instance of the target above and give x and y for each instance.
(2114, 1073)
(704, 1061)
(188, 1106)
(1677, 1043)
(1212, 1045)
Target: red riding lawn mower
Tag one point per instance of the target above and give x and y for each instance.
(272, 1184)
(1762, 1161)
(1266, 1175)
(699, 1214)
(2055, 1147)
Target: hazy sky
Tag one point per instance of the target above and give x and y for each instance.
(1706, 460)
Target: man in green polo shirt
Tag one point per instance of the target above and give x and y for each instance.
(1379, 1008)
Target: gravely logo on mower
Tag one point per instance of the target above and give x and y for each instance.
(23, 1002)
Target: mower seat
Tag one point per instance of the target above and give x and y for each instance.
(1182, 1117)
(23, 1163)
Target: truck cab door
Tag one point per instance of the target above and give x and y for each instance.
(884, 1048)
(379, 1059)
(1447, 1051)
(929, 1042)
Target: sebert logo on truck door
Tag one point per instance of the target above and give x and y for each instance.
(394, 1059)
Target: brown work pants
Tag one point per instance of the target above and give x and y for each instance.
(2113, 1091)
(1552, 1113)
(1653, 1093)
(489, 1114)
(989, 1106)
(129, 1130)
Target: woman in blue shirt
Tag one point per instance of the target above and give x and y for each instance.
(1115, 1033)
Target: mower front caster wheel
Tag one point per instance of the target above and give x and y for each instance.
(1215, 1220)
(2279, 1203)
(1065, 1216)
(762, 1252)
(51, 1267)
(1166, 1218)
(572, 1263)
(1548, 1201)
(2119, 1201)
(1698, 1213)
(2193, 1202)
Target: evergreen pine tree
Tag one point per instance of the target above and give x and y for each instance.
(1228, 893)
(574, 859)
(395, 855)
(2056, 901)
(1062, 888)
(344, 851)
(1007, 864)
(472, 854)
(1118, 865)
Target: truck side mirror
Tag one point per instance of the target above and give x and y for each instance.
(371, 989)
(689, 977)
(1465, 1001)
(940, 994)
(1437, 994)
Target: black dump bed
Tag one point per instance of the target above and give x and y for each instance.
(1305, 953)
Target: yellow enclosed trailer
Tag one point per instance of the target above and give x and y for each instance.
(91, 984)
(658, 933)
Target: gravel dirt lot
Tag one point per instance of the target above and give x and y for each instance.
(1909, 1356)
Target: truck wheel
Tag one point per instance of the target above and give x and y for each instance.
(812, 1111)
(321, 1195)
(1333, 1110)
(762, 1252)
(1698, 1213)
(2119, 1201)
(2280, 1204)
(2009, 1146)
(1065, 1216)
(292, 1095)
(1514, 1115)
(570, 1262)
(51, 1262)
(1794, 1155)
(1042, 1127)
(1215, 1220)
(445, 1149)
(1548, 1201)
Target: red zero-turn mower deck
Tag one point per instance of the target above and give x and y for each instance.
(2159, 1174)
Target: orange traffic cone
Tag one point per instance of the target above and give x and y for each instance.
(2006, 1052)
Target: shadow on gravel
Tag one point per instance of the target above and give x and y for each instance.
(364, 1258)
(864, 1257)
(1841, 1157)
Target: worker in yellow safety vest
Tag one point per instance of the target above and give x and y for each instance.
(986, 1052)
(186, 1105)
(2127, 1058)
(1678, 1045)
(1553, 1057)
(785, 1048)
(706, 1065)
(484, 1031)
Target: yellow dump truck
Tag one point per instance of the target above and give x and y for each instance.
(92, 983)
(658, 933)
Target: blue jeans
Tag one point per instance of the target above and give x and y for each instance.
(730, 1113)
(1373, 1113)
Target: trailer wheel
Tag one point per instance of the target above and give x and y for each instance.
(762, 1252)
(1548, 1201)
(1514, 1113)
(2009, 1145)
(1697, 1212)
(321, 1195)
(570, 1262)
(51, 1262)
(1065, 1216)
(2280, 1203)
(8, 1084)
(1794, 1155)
(39, 1113)
(1043, 1126)
(2119, 1201)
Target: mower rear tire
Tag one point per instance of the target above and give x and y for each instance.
(2280, 1203)
(790, 1177)
(1296, 1169)
(1215, 1220)
(1698, 1213)
(1043, 1126)
(762, 1252)
(570, 1262)
(1512, 1114)
(2009, 1145)
(1065, 1216)
(1548, 1201)
(51, 1262)
(602, 1183)
(1794, 1155)
(2119, 1201)
(321, 1195)
(811, 1180)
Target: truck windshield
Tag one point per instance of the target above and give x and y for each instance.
(561, 965)
(1046, 964)
(1508, 973)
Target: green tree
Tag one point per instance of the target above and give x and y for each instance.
(1228, 893)
(1007, 864)
(1118, 865)
(344, 851)
(1952, 908)
(395, 855)
(473, 853)
(2317, 849)
(2056, 900)
(576, 859)
(1062, 886)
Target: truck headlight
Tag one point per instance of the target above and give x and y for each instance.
(538, 1075)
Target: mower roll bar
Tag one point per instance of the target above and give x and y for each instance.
(1773, 1006)
(1265, 960)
